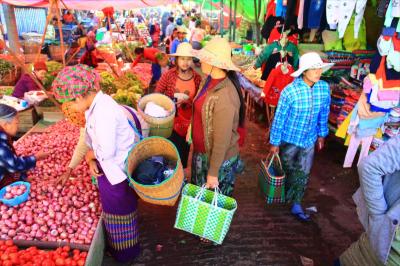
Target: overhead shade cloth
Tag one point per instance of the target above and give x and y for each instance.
(244, 7)
(94, 4)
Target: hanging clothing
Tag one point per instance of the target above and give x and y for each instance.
(296, 163)
(353, 148)
(382, 7)
(315, 13)
(276, 82)
(300, 17)
(280, 9)
(271, 23)
(273, 50)
(302, 114)
(226, 173)
(340, 13)
(291, 13)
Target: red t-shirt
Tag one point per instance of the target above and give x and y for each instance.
(276, 82)
(149, 54)
(198, 129)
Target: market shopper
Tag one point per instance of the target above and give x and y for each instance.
(155, 32)
(81, 148)
(170, 39)
(171, 26)
(110, 136)
(180, 38)
(378, 208)
(13, 167)
(90, 56)
(218, 112)
(26, 83)
(184, 80)
(154, 56)
(301, 119)
(197, 35)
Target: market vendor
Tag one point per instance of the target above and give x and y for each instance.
(89, 57)
(300, 124)
(153, 55)
(111, 137)
(182, 79)
(26, 83)
(12, 166)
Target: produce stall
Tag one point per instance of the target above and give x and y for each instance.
(55, 215)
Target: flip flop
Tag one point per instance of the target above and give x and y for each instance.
(301, 216)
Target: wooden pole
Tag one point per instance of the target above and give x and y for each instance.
(234, 20)
(257, 25)
(60, 29)
(230, 20)
(12, 31)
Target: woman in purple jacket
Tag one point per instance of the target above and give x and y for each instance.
(26, 83)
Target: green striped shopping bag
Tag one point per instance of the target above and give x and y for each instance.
(205, 213)
(271, 179)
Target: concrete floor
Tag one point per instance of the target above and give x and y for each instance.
(261, 234)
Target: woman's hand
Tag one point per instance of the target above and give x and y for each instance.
(62, 179)
(320, 143)
(94, 170)
(212, 182)
(41, 155)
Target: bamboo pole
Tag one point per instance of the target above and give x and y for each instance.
(234, 19)
(60, 29)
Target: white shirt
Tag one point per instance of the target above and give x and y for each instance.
(110, 136)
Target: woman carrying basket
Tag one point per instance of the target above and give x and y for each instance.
(182, 81)
(218, 113)
(110, 136)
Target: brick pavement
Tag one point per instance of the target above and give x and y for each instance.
(260, 234)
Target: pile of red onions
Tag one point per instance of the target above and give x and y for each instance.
(53, 212)
(14, 191)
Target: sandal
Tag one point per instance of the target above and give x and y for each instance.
(301, 216)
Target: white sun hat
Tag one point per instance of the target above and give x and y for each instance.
(217, 52)
(184, 49)
(311, 61)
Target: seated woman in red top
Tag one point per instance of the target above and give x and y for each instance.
(26, 83)
(183, 80)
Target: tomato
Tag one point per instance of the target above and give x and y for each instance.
(3, 247)
(9, 243)
(64, 254)
(81, 262)
(83, 254)
(48, 262)
(60, 261)
(2, 242)
(66, 248)
(4, 257)
(76, 257)
(7, 263)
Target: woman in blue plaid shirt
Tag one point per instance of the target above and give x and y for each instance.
(301, 120)
(12, 165)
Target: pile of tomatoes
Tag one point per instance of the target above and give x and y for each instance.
(11, 255)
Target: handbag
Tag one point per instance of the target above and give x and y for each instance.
(271, 179)
(205, 213)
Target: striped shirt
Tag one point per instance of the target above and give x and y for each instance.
(302, 114)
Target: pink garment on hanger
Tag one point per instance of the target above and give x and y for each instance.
(300, 17)
(353, 147)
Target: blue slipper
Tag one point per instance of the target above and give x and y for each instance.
(301, 216)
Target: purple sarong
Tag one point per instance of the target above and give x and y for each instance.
(119, 215)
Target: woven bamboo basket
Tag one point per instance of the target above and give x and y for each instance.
(56, 53)
(31, 47)
(166, 193)
(11, 78)
(30, 58)
(159, 126)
